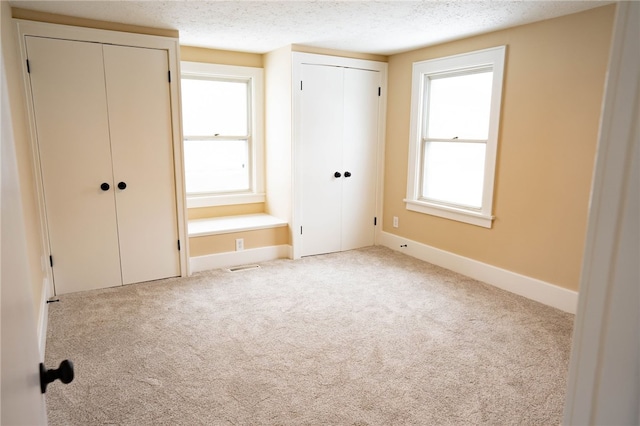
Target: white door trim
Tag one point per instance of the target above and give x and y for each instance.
(603, 386)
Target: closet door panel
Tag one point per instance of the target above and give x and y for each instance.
(139, 106)
(322, 117)
(360, 138)
(67, 84)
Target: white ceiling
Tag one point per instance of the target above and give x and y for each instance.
(381, 27)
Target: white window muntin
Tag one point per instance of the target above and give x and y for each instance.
(255, 93)
(444, 67)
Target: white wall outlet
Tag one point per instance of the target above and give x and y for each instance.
(395, 221)
(239, 244)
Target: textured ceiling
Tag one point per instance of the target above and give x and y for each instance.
(381, 27)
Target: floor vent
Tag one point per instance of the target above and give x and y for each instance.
(243, 268)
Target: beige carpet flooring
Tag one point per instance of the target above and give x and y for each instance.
(365, 337)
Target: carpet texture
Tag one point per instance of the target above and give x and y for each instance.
(364, 337)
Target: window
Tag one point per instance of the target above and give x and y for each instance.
(222, 128)
(455, 111)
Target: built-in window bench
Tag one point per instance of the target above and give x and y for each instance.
(228, 224)
(236, 240)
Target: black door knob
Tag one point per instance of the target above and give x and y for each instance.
(337, 174)
(347, 174)
(105, 186)
(64, 372)
(122, 185)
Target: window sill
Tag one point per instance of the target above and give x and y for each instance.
(228, 224)
(194, 201)
(460, 215)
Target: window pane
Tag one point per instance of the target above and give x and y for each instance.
(459, 106)
(454, 172)
(216, 166)
(211, 107)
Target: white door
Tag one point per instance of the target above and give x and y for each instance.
(21, 400)
(339, 115)
(322, 116)
(68, 87)
(603, 387)
(139, 107)
(360, 139)
(103, 116)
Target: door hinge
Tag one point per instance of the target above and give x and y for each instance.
(51, 261)
(300, 84)
(375, 221)
(28, 67)
(169, 75)
(379, 91)
(178, 245)
(301, 230)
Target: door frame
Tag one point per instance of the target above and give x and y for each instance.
(602, 386)
(171, 45)
(21, 399)
(299, 59)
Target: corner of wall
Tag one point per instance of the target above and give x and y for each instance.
(223, 57)
(278, 128)
(543, 292)
(540, 200)
(24, 157)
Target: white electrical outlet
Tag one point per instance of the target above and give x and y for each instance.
(395, 221)
(239, 244)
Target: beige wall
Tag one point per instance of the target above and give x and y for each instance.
(19, 122)
(223, 57)
(210, 244)
(553, 89)
(219, 211)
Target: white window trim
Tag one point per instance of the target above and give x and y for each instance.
(493, 57)
(256, 76)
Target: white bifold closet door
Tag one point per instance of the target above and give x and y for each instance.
(339, 135)
(139, 107)
(102, 118)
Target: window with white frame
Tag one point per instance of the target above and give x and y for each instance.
(455, 116)
(222, 129)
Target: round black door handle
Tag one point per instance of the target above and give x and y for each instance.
(105, 186)
(64, 372)
(122, 185)
(337, 174)
(347, 174)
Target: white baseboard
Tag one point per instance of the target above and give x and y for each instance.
(235, 258)
(43, 317)
(531, 288)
